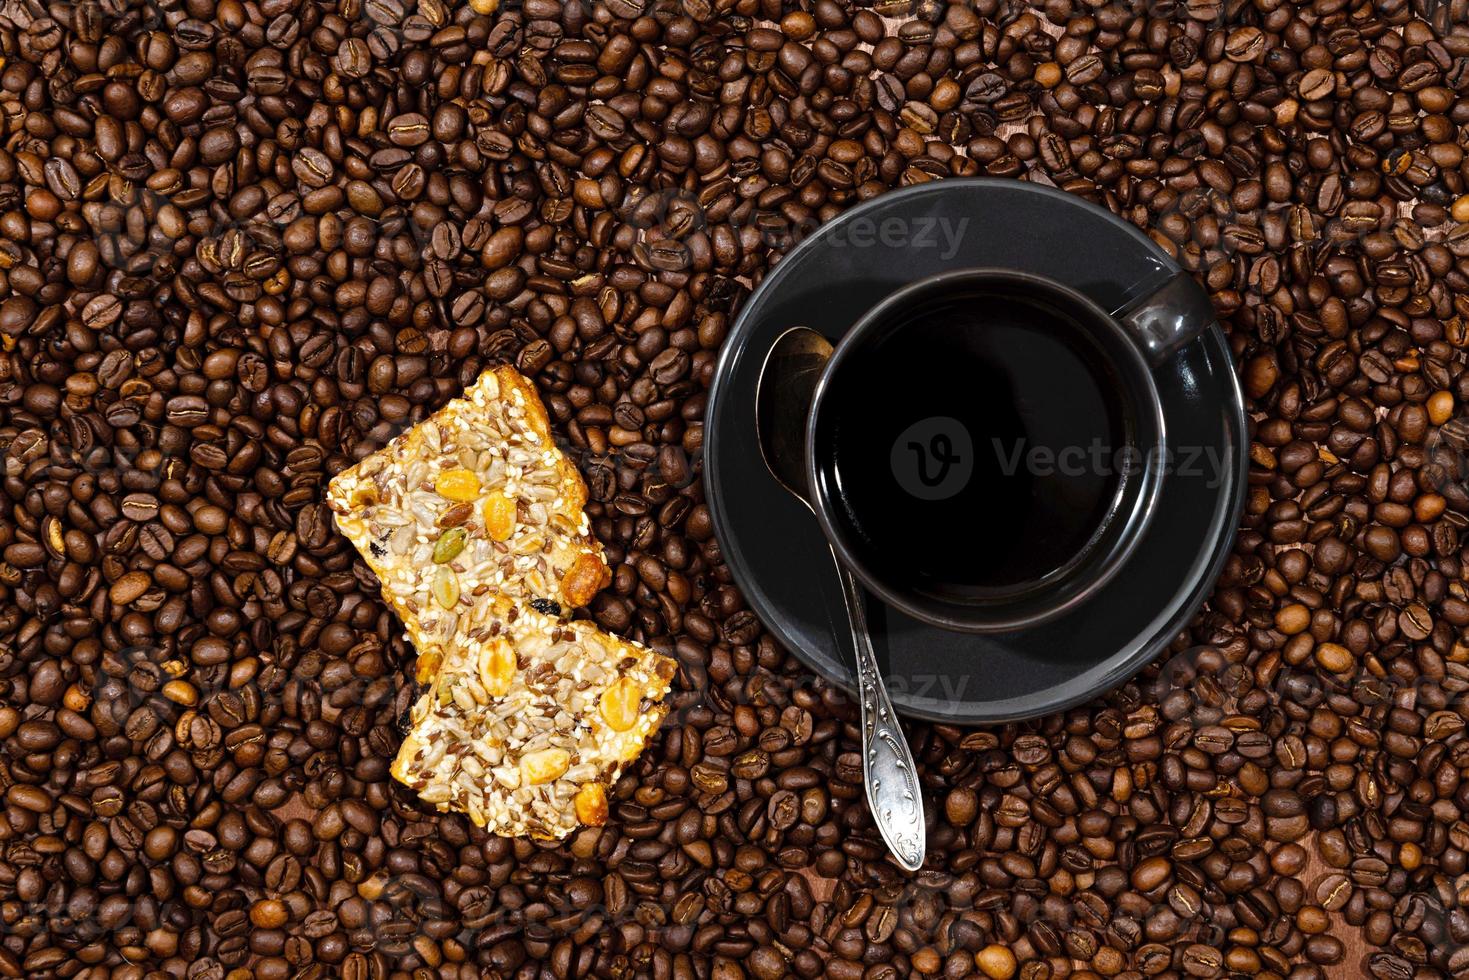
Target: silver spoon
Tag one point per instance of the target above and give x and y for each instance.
(782, 403)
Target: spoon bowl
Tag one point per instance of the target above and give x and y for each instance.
(783, 399)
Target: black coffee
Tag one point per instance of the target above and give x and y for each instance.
(975, 443)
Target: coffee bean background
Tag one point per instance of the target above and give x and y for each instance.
(243, 243)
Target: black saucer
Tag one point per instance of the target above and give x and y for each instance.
(774, 546)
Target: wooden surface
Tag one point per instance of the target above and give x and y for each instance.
(1354, 963)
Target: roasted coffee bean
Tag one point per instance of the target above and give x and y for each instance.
(242, 248)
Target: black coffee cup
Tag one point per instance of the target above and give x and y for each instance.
(985, 447)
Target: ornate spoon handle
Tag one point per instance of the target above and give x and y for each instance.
(893, 794)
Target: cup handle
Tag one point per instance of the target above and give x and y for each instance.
(1169, 317)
